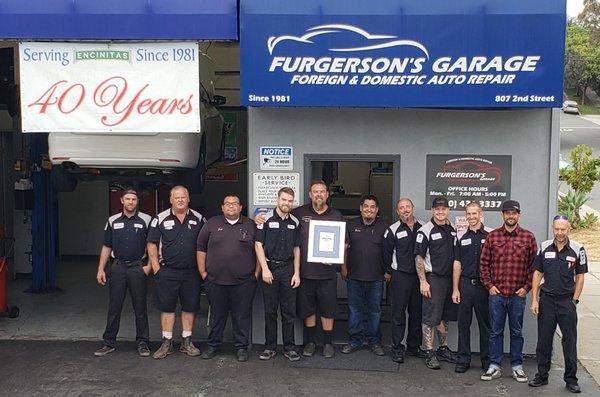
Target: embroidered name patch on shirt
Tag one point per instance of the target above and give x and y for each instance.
(570, 259)
(291, 226)
(274, 225)
(466, 241)
(118, 225)
(550, 255)
(193, 222)
(169, 223)
(138, 225)
(402, 234)
(436, 236)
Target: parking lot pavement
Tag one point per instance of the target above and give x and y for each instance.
(588, 310)
(69, 368)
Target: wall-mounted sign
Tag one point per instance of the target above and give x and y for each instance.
(277, 158)
(403, 53)
(465, 178)
(94, 87)
(267, 184)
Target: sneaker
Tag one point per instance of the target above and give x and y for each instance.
(538, 381)
(431, 361)
(444, 353)
(398, 356)
(378, 350)
(519, 375)
(104, 350)
(242, 355)
(267, 354)
(188, 347)
(418, 352)
(209, 353)
(291, 355)
(143, 350)
(491, 373)
(309, 349)
(165, 349)
(328, 350)
(350, 348)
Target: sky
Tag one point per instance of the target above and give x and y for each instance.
(574, 7)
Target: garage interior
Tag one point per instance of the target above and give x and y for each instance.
(61, 299)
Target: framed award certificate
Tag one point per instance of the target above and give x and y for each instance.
(326, 241)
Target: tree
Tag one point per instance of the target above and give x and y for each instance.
(582, 60)
(590, 19)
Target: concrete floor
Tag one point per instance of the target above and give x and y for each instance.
(48, 351)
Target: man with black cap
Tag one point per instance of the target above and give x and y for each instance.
(435, 247)
(562, 263)
(125, 241)
(505, 267)
(468, 292)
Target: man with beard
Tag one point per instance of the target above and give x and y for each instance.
(318, 286)
(172, 251)
(505, 266)
(562, 263)
(278, 253)
(227, 264)
(435, 252)
(399, 260)
(125, 240)
(364, 276)
(468, 292)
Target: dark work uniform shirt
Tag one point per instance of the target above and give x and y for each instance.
(437, 245)
(469, 248)
(278, 236)
(127, 236)
(365, 251)
(560, 267)
(399, 247)
(230, 258)
(176, 240)
(314, 270)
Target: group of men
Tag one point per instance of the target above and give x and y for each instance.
(435, 275)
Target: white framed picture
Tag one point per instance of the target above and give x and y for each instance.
(326, 241)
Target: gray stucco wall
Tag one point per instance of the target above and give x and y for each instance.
(530, 136)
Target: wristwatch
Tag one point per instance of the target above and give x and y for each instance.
(575, 301)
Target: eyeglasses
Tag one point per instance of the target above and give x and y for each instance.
(561, 218)
(230, 204)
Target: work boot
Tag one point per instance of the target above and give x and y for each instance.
(104, 350)
(242, 355)
(187, 347)
(328, 350)
(573, 387)
(143, 349)
(418, 352)
(444, 353)
(398, 356)
(165, 349)
(461, 368)
(309, 349)
(209, 353)
(538, 381)
(431, 360)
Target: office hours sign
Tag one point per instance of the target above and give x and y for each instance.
(465, 178)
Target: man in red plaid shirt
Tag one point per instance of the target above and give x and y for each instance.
(506, 270)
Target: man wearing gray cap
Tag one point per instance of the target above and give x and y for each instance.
(435, 249)
(505, 268)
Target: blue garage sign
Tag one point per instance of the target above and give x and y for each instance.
(118, 19)
(402, 53)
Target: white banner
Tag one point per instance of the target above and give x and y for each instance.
(94, 87)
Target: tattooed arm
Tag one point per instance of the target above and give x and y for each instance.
(420, 266)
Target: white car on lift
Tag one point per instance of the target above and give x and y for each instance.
(156, 157)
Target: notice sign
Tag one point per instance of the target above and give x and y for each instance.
(93, 87)
(277, 158)
(267, 184)
(463, 179)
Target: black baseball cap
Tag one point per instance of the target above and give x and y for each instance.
(509, 205)
(440, 201)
